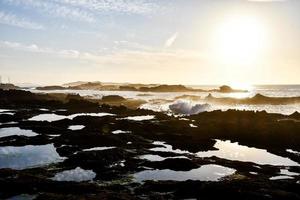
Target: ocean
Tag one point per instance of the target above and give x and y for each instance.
(165, 101)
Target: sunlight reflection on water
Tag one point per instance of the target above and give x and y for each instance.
(54, 117)
(14, 131)
(28, 156)
(271, 91)
(234, 151)
(203, 173)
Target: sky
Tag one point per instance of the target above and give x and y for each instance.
(193, 42)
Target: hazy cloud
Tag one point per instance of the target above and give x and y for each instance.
(13, 20)
(55, 9)
(169, 42)
(37, 49)
(132, 58)
(267, 0)
(85, 10)
(132, 6)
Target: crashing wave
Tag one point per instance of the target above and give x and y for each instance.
(188, 108)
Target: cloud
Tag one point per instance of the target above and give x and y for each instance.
(169, 42)
(121, 6)
(85, 10)
(124, 44)
(55, 9)
(13, 20)
(267, 0)
(130, 58)
(37, 49)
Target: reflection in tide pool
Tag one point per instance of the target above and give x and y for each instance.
(288, 173)
(22, 197)
(203, 173)
(7, 113)
(167, 148)
(48, 117)
(78, 174)
(234, 151)
(98, 148)
(151, 157)
(116, 132)
(292, 151)
(76, 127)
(281, 177)
(140, 118)
(54, 117)
(4, 110)
(5, 132)
(28, 156)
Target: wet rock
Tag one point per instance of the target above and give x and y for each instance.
(177, 164)
(96, 159)
(52, 87)
(115, 167)
(112, 98)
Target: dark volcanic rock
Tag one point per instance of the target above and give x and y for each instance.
(113, 98)
(127, 88)
(177, 164)
(96, 159)
(8, 86)
(228, 89)
(165, 88)
(115, 167)
(52, 87)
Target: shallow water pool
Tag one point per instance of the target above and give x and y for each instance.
(233, 151)
(28, 156)
(204, 173)
(54, 117)
(5, 132)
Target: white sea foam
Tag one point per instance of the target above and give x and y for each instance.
(167, 98)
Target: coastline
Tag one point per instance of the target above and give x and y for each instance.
(117, 167)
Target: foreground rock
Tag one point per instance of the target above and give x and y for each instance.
(116, 147)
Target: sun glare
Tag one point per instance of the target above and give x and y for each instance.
(241, 86)
(240, 40)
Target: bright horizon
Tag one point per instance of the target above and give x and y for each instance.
(197, 42)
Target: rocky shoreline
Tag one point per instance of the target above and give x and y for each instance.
(115, 147)
(136, 87)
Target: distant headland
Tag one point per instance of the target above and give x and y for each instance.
(134, 87)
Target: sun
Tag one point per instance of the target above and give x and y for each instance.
(241, 86)
(240, 40)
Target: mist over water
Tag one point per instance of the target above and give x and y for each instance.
(172, 103)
